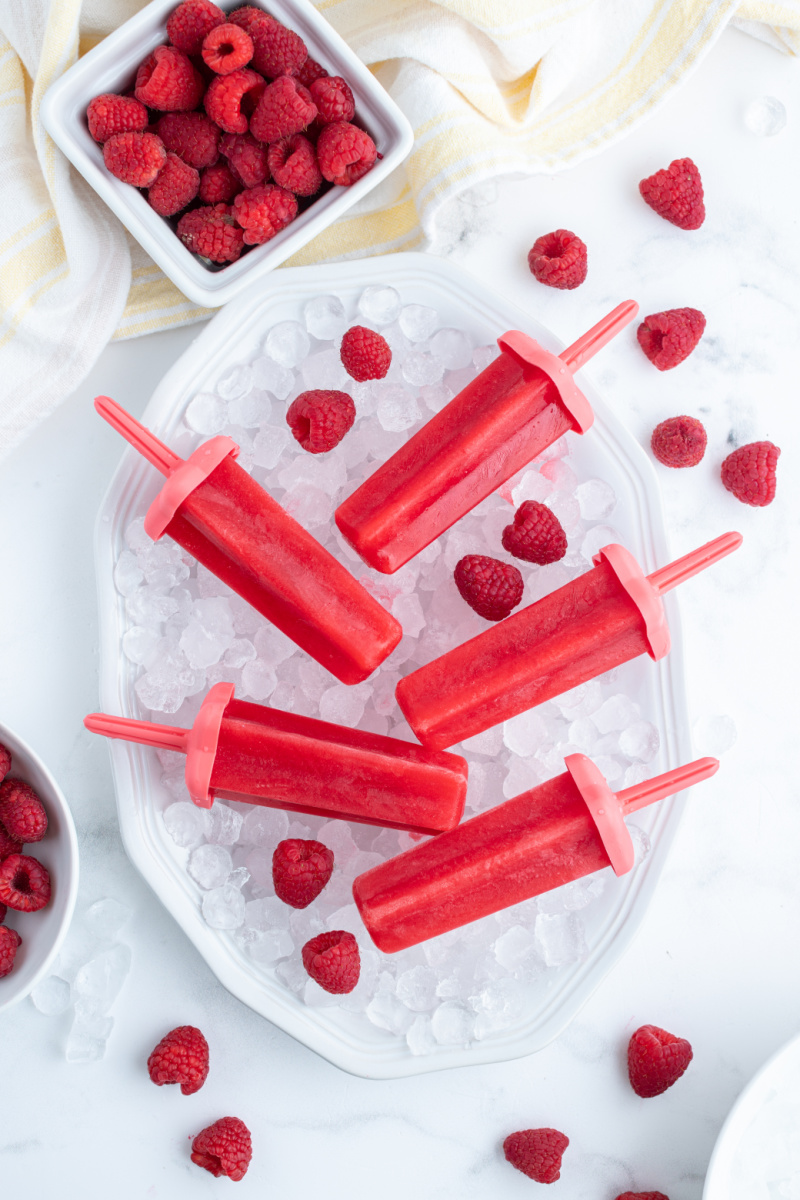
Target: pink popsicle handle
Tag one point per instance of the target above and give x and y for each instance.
(147, 733)
(666, 578)
(599, 335)
(145, 442)
(660, 786)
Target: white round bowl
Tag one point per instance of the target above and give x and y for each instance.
(42, 932)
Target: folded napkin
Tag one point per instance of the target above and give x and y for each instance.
(491, 87)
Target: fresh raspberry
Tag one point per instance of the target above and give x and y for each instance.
(192, 136)
(277, 50)
(7, 844)
(642, 1196)
(319, 419)
(226, 49)
(176, 185)
(134, 157)
(285, 108)
(167, 81)
(559, 259)
(310, 71)
(21, 811)
(224, 1148)
(189, 24)
(333, 99)
(537, 1153)
(218, 184)
(300, 870)
(656, 1060)
(749, 473)
(679, 442)
(264, 211)
(365, 354)
(293, 164)
(225, 100)
(5, 762)
(345, 153)
(10, 942)
(669, 337)
(492, 588)
(333, 961)
(24, 883)
(676, 194)
(110, 114)
(536, 535)
(212, 233)
(180, 1057)
(246, 157)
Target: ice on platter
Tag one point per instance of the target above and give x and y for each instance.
(187, 631)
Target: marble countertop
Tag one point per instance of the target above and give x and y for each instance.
(716, 959)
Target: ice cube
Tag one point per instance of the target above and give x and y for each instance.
(387, 1012)
(596, 538)
(127, 573)
(419, 1036)
(325, 317)
(435, 396)
(499, 1004)
(327, 473)
(489, 742)
(267, 913)
(269, 376)
(99, 981)
(714, 734)
(258, 680)
(249, 410)
(379, 305)
(566, 508)
(641, 843)
(421, 369)
(239, 653)
(210, 865)
(136, 537)
(343, 704)
(417, 988)
(209, 632)
(765, 116)
(106, 917)
(452, 348)
(397, 408)
(273, 646)
(336, 835)
(618, 712)
(560, 939)
(453, 1023)
(310, 506)
(140, 644)
(51, 996)
(271, 444)
(515, 947)
(259, 864)
(583, 734)
(288, 343)
(235, 382)
(324, 370)
(292, 972)
(525, 733)
(268, 947)
(186, 824)
(640, 741)
(206, 414)
(418, 322)
(524, 774)
(482, 356)
(408, 611)
(597, 499)
(223, 907)
(88, 1036)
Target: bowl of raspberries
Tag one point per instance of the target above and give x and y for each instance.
(225, 136)
(38, 869)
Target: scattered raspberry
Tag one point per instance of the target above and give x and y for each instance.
(749, 473)
(21, 811)
(277, 50)
(5, 762)
(24, 883)
(642, 1196)
(167, 81)
(10, 942)
(492, 588)
(333, 99)
(669, 337)
(225, 99)
(679, 442)
(180, 1057)
(109, 114)
(192, 136)
(345, 153)
(559, 259)
(537, 1153)
(333, 961)
(656, 1060)
(536, 535)
(264, 211)
(365, 354)
(319, 419)
(226, 49)
(300, 870)
(134, 157)
(676, 194)
(176, 185)
(212, 233)
(293, 165)
(191, 22)
(246, 157)
(7, 844)
(285, 108)
(224, 1148)
(310, 71)
(218, 184)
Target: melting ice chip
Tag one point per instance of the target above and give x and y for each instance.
(206, 413)
(379, 305)
(288, 343)
(765, 116)
(418, 322)
(325, 317)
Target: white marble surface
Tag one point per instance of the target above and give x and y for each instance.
(716, 960)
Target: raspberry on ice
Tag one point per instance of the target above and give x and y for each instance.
(300, 870)
(365, 354)
(536, 535)
(319, 419)
(333, 961)
(559, 259)
(491, 587)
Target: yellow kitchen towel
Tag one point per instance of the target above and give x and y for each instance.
(491, 87)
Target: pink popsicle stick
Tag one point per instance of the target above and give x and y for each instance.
(599, 335)
(147, 733)
(668, 577)
(660, 786)
(156, 453)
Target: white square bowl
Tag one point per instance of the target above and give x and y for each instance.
(111, 67)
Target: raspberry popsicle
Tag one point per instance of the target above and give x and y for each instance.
(517, 407)
(232, 526)
(261, 755)
(605, 617)
(565, 828)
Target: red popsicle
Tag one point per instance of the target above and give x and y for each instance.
(248, 752)
(517, 407)
(232, 526)
(605, 617)
(565, 828)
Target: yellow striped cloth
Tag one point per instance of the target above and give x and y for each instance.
(491, 87)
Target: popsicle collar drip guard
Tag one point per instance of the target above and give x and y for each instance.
(609, 809)
(183, 475)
